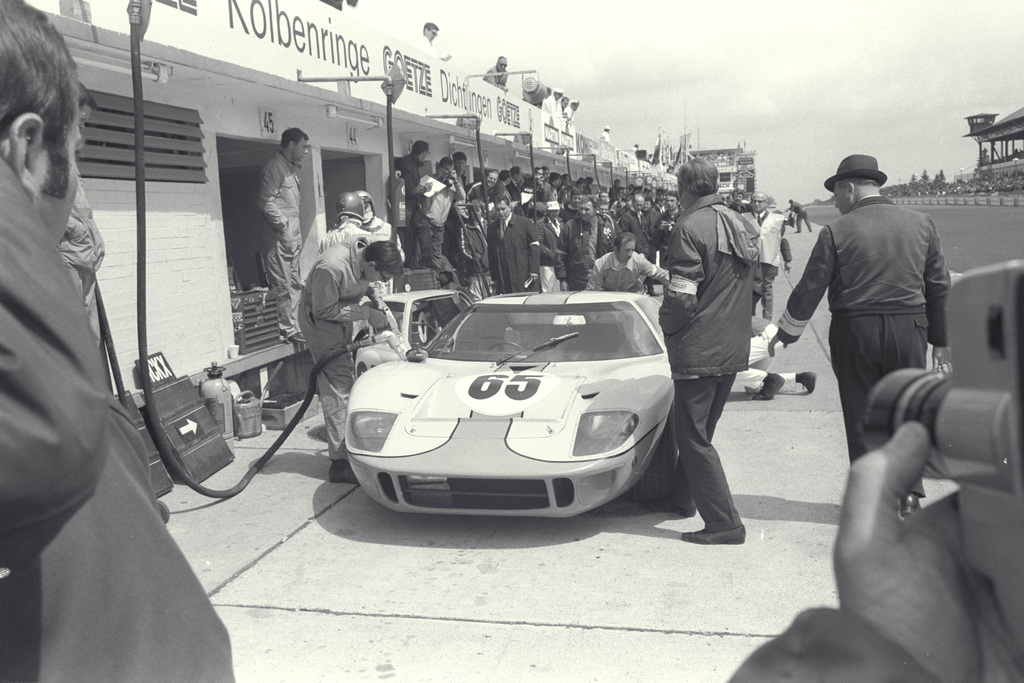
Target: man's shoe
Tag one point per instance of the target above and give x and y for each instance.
(771, 385)
(734, 536)
(909, 505)
(808, 379)
(341, 473)
(297, 338)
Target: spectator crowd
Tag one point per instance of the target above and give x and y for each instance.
(1008, 182)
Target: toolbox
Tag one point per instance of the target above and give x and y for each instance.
(254, 318)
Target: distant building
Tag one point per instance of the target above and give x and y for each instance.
(735, 169)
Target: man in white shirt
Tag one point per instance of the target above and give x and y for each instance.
(426, 41)
(769, 246)
(623, 270)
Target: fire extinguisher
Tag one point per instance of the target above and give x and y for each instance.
(216, 393)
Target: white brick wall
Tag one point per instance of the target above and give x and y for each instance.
(189, 307)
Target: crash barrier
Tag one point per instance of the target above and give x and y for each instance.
(962, 200)
(248, 415)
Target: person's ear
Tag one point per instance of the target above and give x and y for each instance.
(21, 146)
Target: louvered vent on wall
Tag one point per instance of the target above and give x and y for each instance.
(174, 142)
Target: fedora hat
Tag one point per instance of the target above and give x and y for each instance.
(857, 166)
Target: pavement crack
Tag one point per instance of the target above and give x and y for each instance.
(501, 622)
(277, 545)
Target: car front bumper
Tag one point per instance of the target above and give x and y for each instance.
(483, 477)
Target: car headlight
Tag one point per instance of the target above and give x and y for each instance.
(370, 429)
(603, 431)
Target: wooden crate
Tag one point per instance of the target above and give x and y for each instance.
(254, 318)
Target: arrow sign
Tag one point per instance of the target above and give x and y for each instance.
(188, 427)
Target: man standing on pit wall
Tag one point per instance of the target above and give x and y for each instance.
(887, 281)
(278, 202)
(770, 259)
(706, 321)
(337, 281)
(92, 585)
(440, 193)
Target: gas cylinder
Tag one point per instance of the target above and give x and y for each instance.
(216, 393)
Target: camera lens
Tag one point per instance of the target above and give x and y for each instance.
(901, 396)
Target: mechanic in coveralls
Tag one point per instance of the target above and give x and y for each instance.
(328, 308)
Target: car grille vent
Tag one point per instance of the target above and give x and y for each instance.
(524, 368)
(564, 492)
(405, 395)
(589, 396)
(387, 486)
(477, 494)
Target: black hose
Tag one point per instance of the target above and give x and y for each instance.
(172, 458)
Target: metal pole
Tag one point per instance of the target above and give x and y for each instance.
(533, 167)
(597, 176)
(568, 168)
(483, 171)
(392, 206)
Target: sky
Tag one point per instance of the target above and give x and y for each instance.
(802, 83)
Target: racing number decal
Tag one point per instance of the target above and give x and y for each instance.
(485, 386)
(518, 388)
(505, 393)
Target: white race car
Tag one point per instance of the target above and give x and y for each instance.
(525, 404)
(420, 315)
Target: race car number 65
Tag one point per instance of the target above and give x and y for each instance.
(518, 388)
(505, 393)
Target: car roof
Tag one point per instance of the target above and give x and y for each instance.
(554, 298)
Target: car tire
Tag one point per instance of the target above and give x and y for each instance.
(656, 482)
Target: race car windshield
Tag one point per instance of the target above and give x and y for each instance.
(490, 332)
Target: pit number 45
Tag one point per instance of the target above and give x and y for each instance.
(267, 128)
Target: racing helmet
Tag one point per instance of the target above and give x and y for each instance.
(369, 212)
(350, 205)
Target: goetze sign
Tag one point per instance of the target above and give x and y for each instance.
(278, 37)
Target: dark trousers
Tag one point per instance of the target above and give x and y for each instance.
(429, 239)
(864, 349)
(699, 477)
(763, 290)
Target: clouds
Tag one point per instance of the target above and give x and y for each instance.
(803, 83)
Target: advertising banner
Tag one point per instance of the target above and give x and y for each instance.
(279, 37)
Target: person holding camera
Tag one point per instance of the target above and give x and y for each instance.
(911, 606)
(886, 280)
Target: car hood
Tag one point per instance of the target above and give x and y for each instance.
(515, 403)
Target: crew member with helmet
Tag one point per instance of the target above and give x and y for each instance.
(329, 307)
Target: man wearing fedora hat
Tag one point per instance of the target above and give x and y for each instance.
(887, 282)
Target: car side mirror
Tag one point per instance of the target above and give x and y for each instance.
(417, 355)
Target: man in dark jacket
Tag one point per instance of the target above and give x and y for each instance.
(706, 321)
(632, 220)
(92, 585)
(887, 282)
(513, 249)
(582, 241)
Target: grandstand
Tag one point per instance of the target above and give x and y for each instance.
(1005, 140)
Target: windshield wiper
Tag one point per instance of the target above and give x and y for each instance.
(543, 346)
